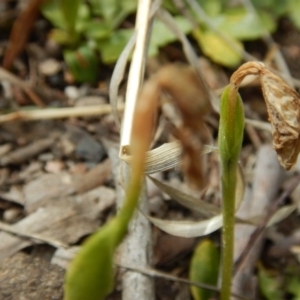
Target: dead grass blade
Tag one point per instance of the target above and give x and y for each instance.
(205, 209)
(189, 229)
(120, 67)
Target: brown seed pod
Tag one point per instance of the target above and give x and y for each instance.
(283, 105)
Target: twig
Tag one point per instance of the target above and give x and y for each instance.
(260, 228)
(59, 113)
(154, 273)
(120, 67)
(137, 247)
(15, 80)
(267, 177)
(24, 153)
(137, 68)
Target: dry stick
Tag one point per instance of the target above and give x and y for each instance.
(25, 153)
(120, 67)
(59, 113)
(137, 247)
(5, 75)
(255, 235)
(159, 274)
(266, 182)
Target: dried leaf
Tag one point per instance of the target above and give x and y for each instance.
(281, 214)
(204, 208)
(283, 105)
(283, 110)
(189, 229)
(161, 158)
(77, 216)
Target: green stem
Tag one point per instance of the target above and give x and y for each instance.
(228, 193)
(230, 142)
(131, 201)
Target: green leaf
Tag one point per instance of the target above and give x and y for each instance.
(113, 11)
(83, 64)
(90, 275)
(98, 30)
(241, 25)
(204, 268)
(276, 7)
(269, 284)
(294, 12)
(216, 49)
(69, 9)
(231, 126)
(61, 37)
(293, 286)
(112, 47)
(52, 11)
(84, 18)
(212, 7)
(162, 36)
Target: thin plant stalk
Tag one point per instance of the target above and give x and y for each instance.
(230, 142)
(228, 180)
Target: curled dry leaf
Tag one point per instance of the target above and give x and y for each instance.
(283, 105)
(283, 110)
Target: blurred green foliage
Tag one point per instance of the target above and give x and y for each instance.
(278, 284)
(106, 26)
(204, 268)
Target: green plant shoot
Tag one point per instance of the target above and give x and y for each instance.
(90, 275)
(230, 139)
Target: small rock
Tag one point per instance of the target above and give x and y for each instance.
(78, 168)
(54, 166)
(89, 149)
(12, 215)
(45, 157)
(4, 149)
(72, 92)
(49, 67)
